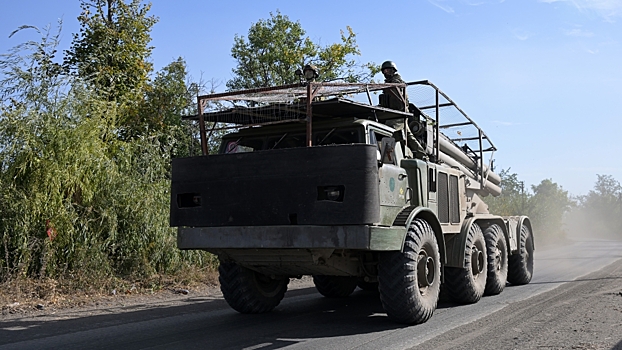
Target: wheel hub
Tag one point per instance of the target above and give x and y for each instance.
(477, 261)
(425, 270)
(497, 253)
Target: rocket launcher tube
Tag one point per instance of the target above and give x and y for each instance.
(458, 155)
(489, 187)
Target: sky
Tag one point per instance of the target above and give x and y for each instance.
(542, 78)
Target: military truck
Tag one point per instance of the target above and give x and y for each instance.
(316, 179)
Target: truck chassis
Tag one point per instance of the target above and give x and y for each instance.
(312, 183)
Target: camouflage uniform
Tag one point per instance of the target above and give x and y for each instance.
(391, 101)
(395, 78)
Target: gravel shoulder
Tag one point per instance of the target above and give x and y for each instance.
(582, 314)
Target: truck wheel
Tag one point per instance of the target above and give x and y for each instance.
(248, 291)
(409, 281)
(521, 263)
(497, 252)
(368, 286)
(465, 285)
(335, 286)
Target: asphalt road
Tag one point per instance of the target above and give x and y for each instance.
(304, 319)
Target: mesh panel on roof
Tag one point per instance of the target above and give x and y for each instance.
(290, 93)
(289, 103)
(455, 125)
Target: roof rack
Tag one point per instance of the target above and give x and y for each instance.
(304, 101)
(288, 103)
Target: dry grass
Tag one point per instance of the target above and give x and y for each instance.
(23, 295)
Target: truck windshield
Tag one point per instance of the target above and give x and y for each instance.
(291, 140)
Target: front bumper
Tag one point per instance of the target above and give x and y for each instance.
(358, 237)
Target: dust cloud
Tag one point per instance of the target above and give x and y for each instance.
(581, 224)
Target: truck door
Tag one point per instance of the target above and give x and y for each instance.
(393, 183)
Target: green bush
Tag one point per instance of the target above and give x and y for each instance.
(75, 197)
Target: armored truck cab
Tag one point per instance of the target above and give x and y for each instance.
(323, 186)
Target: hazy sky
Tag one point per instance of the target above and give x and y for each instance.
(543, 78)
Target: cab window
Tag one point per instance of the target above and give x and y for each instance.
(375, 138)
(337, 137)
(286, 141)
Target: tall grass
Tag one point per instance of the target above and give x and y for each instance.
(75, 198)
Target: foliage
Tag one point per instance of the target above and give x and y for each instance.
(25, 78)
(545, 204)
(513, 199)
(111, 53)
(605, 197)
(166, 98)
(111, 49)
(76, 198)
(276, 47)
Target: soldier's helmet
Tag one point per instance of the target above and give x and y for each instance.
(310, 67)
(388, 64)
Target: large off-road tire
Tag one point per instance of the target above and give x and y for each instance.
(248, 291)
(368, 286)
(335, 286)
(409, 281)
(521, 263)
(466, 284)
(497, 253)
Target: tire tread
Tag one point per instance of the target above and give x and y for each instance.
(335, 286)
(397, 277)
(461, 285)
(242, 294)
(495, 282)
(519, 271)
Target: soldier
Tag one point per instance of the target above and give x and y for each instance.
(389, 70)
(389, 100)
(310, 72)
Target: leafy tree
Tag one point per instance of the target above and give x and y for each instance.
(547, 207)
(545, 204)
(111, 53)
(513, 199)
(166, 98)
(606, 195)
(276, 47)
(112, 47)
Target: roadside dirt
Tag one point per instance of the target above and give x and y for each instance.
(582, 314)
(27, 297)
(79, 304)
